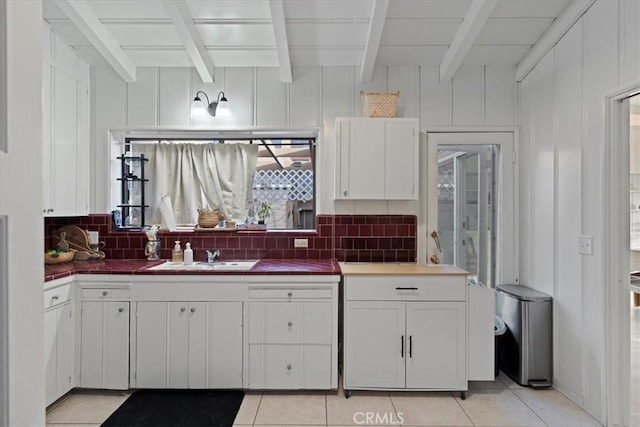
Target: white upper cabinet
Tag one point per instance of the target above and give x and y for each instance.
(376, 159)
(65, 130)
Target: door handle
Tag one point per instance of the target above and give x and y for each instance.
(410, 346)
(402, 346)
(434, 234)
(412, 288)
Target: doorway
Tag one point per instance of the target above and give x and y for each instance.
(470, 194)
(466, 213)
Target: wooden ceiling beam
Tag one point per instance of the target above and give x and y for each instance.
(188, 32)
(90, 26)
(551, 36)
(282, 44)
(374, 35)
(468, 31)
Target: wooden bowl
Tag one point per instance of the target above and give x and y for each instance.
(60, 257)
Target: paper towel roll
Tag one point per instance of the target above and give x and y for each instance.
(166, 213)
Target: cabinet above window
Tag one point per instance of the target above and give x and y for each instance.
(376, 159)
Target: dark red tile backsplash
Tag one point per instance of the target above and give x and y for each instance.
(379, 238)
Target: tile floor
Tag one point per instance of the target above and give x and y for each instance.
(498, 403)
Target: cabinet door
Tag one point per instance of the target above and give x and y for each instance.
(104, 361)
(151, 345)
(116, 344)
(361, 157)
(436, 345)
(51, 359)
(225, 345)
(401, 161)
(198, 345)
(178, 345)
(374, 343)
(65, 350)
(64, 159)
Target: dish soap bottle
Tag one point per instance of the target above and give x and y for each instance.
(176, 254)
(188, 254)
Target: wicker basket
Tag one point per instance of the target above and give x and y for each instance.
(59, 257)
(209, 219)
(379, 104)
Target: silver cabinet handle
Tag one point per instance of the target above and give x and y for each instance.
(290, 294)
(288, 367)
(55, 297)
(182, 309)
(193, 309)
(121, 310)
(290, 324)
(105, 293)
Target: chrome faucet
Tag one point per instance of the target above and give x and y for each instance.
(212, 255)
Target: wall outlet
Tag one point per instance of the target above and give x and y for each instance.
(585, 245)
(300, 243)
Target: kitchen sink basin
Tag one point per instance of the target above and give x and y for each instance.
(205, 266)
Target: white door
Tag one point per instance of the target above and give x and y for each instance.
(225, 345)
(401, 161)
(198, 345)
(436, 345)
(104, 360)
(178, 345)
(116, 344)
(365, 167)
(151, 345)
(65, 349)
(375, 344)
(461, 198)
(51, 359)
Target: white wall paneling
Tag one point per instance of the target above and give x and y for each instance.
(142, 98)
(271, 98)
(568, 305)
(4, 317)
(562, 195)
(21, 203)
(162, 97)
(468, 96)
(3, 78)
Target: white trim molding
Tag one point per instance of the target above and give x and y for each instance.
(282, 45)
(374, 35)
(616, 227)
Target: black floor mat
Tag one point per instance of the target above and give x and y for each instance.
(178, 408)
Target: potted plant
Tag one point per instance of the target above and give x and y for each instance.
(263, 211)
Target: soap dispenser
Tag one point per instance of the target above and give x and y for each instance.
(176, 254)
(188, 254)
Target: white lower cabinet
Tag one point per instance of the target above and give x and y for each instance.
(292, 342)
(104, 349)
(58, 343)
(415, 341)
(188, 344)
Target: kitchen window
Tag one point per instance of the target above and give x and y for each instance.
(245, 178)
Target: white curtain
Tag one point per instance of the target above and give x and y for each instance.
(194, 175)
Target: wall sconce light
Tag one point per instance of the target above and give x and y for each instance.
(218, 108)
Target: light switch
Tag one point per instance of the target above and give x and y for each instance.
(585, 245)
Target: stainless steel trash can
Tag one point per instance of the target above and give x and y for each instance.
(527, 345)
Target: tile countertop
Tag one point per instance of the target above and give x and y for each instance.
(409, 269)
(264, 266)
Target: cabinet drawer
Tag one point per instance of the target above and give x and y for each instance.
(57, 296)
(289, 294)
(290, 323)
(405, 288)
(110, 294)
(290, 366)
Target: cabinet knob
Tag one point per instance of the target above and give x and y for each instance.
(290, 294)
(290, 324)
(289, 367)
(345, 192)
(55, 297)
(182, 309)
(105, 293)
(121, 310)
(193, 309)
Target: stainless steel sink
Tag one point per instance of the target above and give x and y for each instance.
(205, 266)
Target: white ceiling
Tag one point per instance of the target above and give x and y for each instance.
(239, 33)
